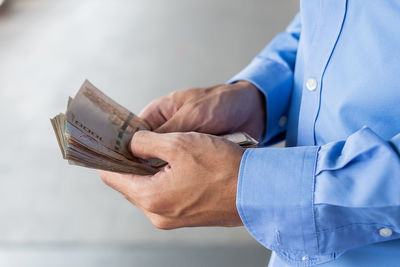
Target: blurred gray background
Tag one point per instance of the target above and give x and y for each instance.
(52, 214)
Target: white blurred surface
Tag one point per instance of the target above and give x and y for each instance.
(132, 50)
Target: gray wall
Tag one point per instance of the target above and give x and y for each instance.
(134, 51)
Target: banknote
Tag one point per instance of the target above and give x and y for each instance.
(103, 119)
(95, 132)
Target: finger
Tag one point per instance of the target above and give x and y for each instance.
(153, 115)
(180, 122)
(159, 111)
(146, 144)
(126, 184)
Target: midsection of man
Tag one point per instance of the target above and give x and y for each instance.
(351, 49)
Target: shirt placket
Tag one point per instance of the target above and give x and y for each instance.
(328, 30)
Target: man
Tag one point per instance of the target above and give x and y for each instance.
(330, 85)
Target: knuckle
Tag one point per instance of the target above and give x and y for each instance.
(151, 205)
(162, 223)
(174, 144)
(180, 94)
(106, 179)
(162, 102)
(173, 95)
(178, 140)
(157, 101)
(151, 107)
(139, 135)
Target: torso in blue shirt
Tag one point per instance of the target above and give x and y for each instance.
(352, 49)
(335, 70)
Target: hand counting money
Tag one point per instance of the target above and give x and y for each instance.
(95, 133)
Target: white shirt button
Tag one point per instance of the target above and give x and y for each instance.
(385, 232)
(282, 121)
(311, 84)
(305, 258)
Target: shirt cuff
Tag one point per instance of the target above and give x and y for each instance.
(275, 201)
(274, 80)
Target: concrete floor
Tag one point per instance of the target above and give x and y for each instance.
(53, 214)
(132, 255)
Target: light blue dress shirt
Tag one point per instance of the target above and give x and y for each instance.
(332, 89)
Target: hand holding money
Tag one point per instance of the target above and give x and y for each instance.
(196, 188)
(218, 109)
(95, 132)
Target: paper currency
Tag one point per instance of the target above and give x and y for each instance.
(95, 132)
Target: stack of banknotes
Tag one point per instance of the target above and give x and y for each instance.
(95, 133)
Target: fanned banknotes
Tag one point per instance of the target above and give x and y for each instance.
(95, 133)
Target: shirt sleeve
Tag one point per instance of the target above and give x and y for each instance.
(310, 204)
(271, 71)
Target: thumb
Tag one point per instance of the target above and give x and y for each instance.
(146, 144)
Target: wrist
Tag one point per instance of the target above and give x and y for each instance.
(245, 84)
(258, 106)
